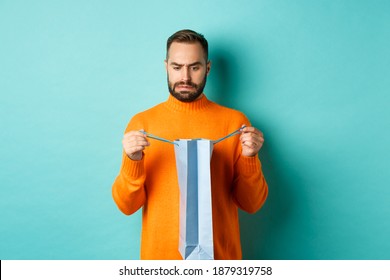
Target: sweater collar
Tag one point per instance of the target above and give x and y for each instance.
(198, 105)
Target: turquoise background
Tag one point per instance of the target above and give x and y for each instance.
(313, 75)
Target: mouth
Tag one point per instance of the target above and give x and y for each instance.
(185, 87)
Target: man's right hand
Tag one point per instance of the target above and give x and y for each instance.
(134, 142)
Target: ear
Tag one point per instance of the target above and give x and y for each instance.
(208, 67)
(166, 64)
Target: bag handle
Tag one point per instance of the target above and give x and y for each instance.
(149, 135)
(230, 135)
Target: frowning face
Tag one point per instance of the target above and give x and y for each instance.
(187, 70)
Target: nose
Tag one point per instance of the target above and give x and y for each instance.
(186, 74)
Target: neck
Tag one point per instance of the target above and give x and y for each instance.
(194, 106)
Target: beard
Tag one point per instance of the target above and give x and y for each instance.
(187, 95)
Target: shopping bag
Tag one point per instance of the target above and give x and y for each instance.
(196, 226)
(193, 157)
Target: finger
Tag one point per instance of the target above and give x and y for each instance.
(251, 137)
(130, 137)
(135, 133)
(249, 129)
(251, 144)
(134, 141)
(134, 149)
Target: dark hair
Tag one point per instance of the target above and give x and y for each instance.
(189, 36)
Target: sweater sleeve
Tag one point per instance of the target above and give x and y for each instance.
(250, 188)
(128, 190)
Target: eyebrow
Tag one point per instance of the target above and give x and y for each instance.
(189, 65)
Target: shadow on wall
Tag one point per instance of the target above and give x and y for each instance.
(221, 79)
(260, 232)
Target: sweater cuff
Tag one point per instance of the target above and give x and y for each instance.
(132, 168)
(249, 165)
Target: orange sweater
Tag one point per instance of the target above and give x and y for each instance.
(151, 183)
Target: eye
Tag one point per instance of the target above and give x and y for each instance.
(176, 68)
(195, 68)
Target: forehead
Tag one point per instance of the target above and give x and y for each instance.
(186, 52)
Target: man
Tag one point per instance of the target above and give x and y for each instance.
(148, 177)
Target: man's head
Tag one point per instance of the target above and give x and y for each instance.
(189, 37)
(187, 65)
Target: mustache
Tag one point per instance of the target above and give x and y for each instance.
(185, 84)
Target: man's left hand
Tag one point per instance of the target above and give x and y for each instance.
(252, 140)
